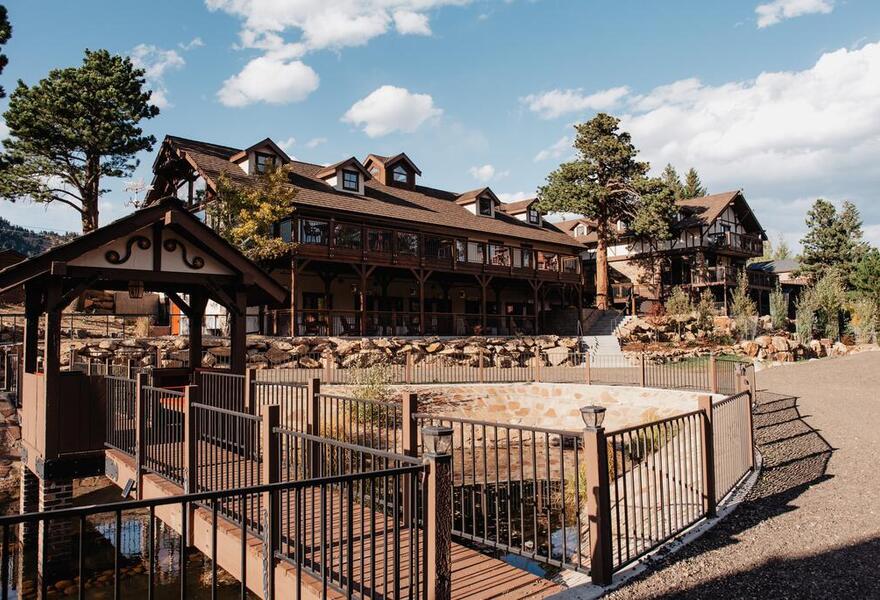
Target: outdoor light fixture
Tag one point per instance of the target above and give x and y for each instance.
(437, 440)
(136, 289)
(593, 416)
(461, 294)
(412, 291)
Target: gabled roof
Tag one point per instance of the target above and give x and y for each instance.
(266, 142)
(417, 204)
(348, 162)
(518, 207)
(390, 160)
(165, 215)
(472, 195)
(788, 265)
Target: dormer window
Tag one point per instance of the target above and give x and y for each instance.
(580, 230)
(485, 206)
(264, 162)
(399, 174)
(534, 218)
(350, 180)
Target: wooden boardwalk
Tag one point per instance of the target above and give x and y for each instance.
(375, 572)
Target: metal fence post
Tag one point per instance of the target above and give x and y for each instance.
(643, 371)
(438, 527)
(708, 454)
(190, 466)
(410, 443)
(745, 383)
(250, 403)
(314, 425)
(587, 375)
(598, 504)
(713, 374)
(271, 473)
(140, 412)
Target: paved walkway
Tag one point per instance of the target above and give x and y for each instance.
(810, 528)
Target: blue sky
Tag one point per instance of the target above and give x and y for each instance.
(778, 97)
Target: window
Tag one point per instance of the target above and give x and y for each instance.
(379, 241)
(461, 251)
(313, 232)
(350, 180)
(407, 243)
(438, 248)
(264, 162)
(548, 261)
(400, 175)
(570, 264)
(485, 206)
(476, 252)
(528, 258)
(347, 236)
(533, 215)
(285, 230)
(499, 255)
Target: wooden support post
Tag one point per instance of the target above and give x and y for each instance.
(598, 505)
(140, 436)
(643, 370)
(713, 374)
(250, 402)
(744, 384)
(708, 454)
(408, 368)
(238, 335)
(313, 426)
(271, 473)
(294, 267)
(197, 304)
(421, 302)
(438, 527)
(327, 368)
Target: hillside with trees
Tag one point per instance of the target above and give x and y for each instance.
(29, 242)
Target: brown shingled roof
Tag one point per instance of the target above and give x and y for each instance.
(520, 206)
(419, 204)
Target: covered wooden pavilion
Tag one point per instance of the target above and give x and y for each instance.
(162, 248)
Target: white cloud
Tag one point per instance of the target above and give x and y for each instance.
(557, 150)
(487, 173)
(777, 11)
(315, 142)
(783, 135)
(270, 80)
(513, 196)
(156, 62)
(196, 42)
(555, 103)
(389, 109)
(411, 23)
(287, 144)
(289, 29)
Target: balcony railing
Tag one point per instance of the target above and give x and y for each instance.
(321, 238)
(751, 245)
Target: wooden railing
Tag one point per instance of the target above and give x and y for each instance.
(743, 243)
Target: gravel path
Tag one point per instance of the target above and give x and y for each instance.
(810, 528)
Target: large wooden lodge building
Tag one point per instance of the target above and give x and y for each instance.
(376, 253)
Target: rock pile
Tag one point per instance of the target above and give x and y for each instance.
(310, 352)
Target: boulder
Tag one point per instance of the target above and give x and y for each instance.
(434, 347)
(307, 362)
(557, 355)
(780, 344)
(276, 356)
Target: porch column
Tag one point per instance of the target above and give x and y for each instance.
(238, 335)
(364, 301)
(52, 351)
(294, 268)
(421, 303)
(32, 310)
(197, 303)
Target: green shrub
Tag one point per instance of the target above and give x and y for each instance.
(805, 316)
(705, 310)
(863, 321)
(743, 308)
(778, 308)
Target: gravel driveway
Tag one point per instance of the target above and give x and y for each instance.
(810, 528)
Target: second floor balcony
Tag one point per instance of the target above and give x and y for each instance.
(740, 243)
(319, 238)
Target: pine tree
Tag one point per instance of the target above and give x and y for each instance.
(851, 227)
(5, 34)
(693, 187)
(782, 250)
(827, 245)
(778, 308)
(74, 127)
(743, 307)
(866, 278)
(672, 180)
(601, 184)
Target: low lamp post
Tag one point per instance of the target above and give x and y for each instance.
(593, 416)
(437, 445)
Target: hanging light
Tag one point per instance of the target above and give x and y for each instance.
(593, 416)
(437, 440)
(136, 289)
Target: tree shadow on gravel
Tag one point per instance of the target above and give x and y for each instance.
(795, 458)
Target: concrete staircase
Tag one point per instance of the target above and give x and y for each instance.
(601, 338)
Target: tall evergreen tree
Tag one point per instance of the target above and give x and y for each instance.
(72, 128)
(673, 181)
(782, 250)
(867, 277)
(601, 184)
(652, 224)
(5, 34)
(833, 241)
(693, 187)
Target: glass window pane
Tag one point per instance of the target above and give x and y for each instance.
(407, 243)
(379, 241)
(350, 180)
(313, 232)
(348, 236)
(285, 230)
(476, 251)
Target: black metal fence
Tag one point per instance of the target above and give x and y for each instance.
(120, 393)
(164, 412)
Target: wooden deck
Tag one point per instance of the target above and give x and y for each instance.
(474, 575)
